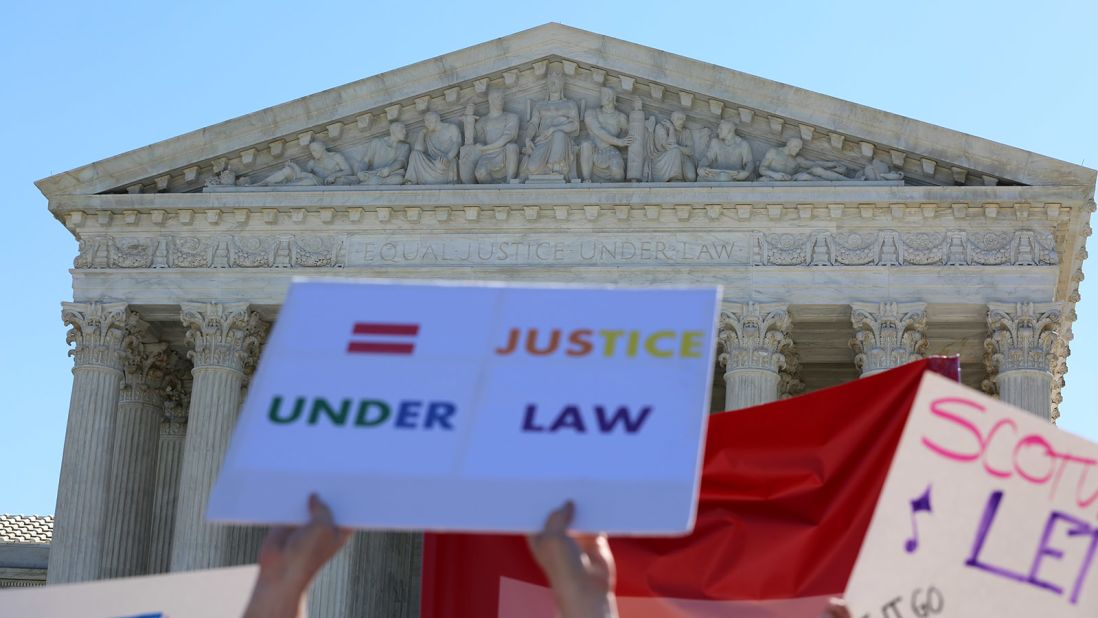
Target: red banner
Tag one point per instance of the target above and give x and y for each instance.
(787, 492)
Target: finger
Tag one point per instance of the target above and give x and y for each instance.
(597, 549)
(836, 608)
(560, 519)
(319, 511)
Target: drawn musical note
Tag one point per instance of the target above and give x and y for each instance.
(922, 503)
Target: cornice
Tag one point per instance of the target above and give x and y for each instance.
(597, 57)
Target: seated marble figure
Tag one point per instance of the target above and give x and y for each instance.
(433, 160)
(552, 124)
(493, 155)
(326, 167)
(727, 158)
(672, 150)
(386, 158)
(600, 159)
(785, 163)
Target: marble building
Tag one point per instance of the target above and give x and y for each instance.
(848, 240)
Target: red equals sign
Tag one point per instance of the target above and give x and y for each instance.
(389, 342)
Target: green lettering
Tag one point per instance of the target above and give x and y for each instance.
(322, 407)
(276, 403)
(362, 419)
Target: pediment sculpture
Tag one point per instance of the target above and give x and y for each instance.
(561, 139)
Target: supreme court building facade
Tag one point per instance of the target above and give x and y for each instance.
(848, 241)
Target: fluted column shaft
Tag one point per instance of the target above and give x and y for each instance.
(222, 338)
(169, 463)
(750, 387)
(1024, 347)
(214, 401)
(129, 505)
(887, 334)
(1028, 390)
(77, 545)
(331, 593)
(389, 575)
(754, 342)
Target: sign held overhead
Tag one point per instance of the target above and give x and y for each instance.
(476, 407)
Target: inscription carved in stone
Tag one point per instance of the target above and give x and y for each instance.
(1025, 247)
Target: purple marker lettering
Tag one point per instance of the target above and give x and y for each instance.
(981, 536)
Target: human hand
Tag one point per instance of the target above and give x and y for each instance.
(580, 568)
(836, 608)
(289, 559)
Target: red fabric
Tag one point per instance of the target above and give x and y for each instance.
(787, 492)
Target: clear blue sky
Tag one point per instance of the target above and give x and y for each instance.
(87, 80)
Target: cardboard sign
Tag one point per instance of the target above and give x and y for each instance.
(215, 593)
(987, 511)
(476, 407)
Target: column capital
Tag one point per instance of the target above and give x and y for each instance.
(224, 335)
(144, 366)
(176, 397)
(754, 336)
(1024, 336)
(789, 378)
(887, 334)
(96, 332)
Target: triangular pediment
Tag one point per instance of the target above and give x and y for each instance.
(845, 136)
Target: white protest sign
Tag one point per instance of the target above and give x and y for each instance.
(476, 407)
(986, 511)
(215, 593)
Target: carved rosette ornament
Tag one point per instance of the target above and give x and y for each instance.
(97, 331)
(887, 335)
(222, 334)
(754, 336)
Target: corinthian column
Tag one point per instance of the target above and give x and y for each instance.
(754, 340)
(169, 463)
(1023, 347)
(887, 335)
(97, 330)
(133, 460)
(223, 336)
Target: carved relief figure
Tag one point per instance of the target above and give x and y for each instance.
(386, 158)
(226, 178)
(324, 168)
(433, 160)
(493, 156)
(877, 169)
(785, 163)
(549, 131)
(728, 158)
(636, 156)
(672, 150)
(600, 159)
